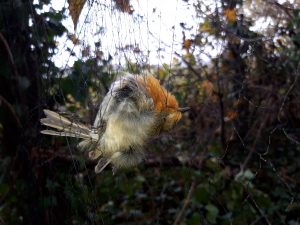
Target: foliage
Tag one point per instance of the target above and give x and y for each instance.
(27, 43)
(233, 158)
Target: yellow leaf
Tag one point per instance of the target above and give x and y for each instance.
(207, 87)
(162, 73)
(230, 15)
(189, 58)
(230, 115)
(206, 27)
(187, 44)
(75, 8)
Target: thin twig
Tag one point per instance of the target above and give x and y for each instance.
(285, 97)
(2, 221)
(253, 148)
(185, 204)
(221, 104)
(290, 137)
(287, 10)
(190, 67)
(10, 56)
(254, 205)
(11, 110)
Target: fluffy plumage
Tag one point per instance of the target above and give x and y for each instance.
(135, 109)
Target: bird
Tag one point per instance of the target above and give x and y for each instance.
(135, 109)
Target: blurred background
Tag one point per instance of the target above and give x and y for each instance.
(232, 159)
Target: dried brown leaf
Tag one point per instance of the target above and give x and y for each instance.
(187, 43)
(230, 15)
(75, 8)
(124, 6)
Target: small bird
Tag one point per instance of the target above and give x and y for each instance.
(135, 109)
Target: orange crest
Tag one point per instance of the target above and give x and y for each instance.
(162, 99)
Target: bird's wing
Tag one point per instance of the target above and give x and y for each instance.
(128, 114)
(64, 127)
(125, 95)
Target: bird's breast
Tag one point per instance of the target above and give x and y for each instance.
(123, 132)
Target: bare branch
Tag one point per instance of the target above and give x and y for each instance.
(10, 110)
(10, 56)
(185, 204)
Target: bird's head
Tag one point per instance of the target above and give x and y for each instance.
(171, 117)
(166, 105)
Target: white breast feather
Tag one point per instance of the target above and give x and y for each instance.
(126, 125)
(126, 128)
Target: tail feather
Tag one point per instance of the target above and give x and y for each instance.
(102, 163)
(64, 133)
(55, 118)
(65, 127)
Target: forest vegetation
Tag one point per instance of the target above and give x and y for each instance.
(232, 159)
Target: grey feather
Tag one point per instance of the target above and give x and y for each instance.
(102, 163)
(65, 134)
(59, 122)
(65, 127)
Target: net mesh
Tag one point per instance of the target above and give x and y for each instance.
(222, 161)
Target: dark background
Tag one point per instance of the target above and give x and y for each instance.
(232, 159)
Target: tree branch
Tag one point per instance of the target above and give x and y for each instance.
(254, 205)
(185, 204)
(11, 110)
(10, 56)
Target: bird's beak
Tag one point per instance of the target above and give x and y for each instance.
(184, 109)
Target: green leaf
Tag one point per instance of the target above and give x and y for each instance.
(212, 213)
(3, 188)
(246, 175)
(194, 220)
(51, 185)
(201, 195)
